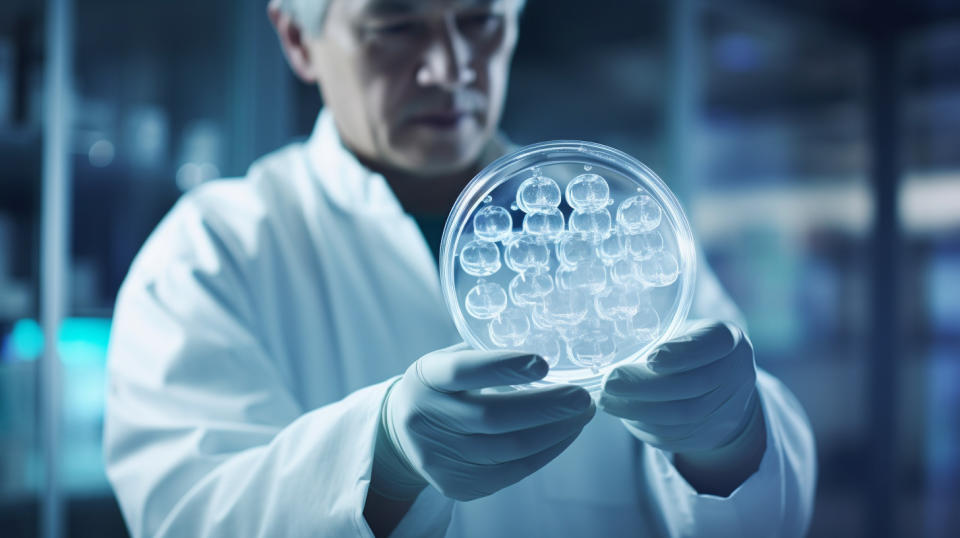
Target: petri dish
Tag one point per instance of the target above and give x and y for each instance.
(572, 250)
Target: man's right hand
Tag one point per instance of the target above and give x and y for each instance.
(438, 427)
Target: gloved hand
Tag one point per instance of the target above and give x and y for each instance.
(438, 427)
(695, 393)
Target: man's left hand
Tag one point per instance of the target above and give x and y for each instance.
(695, 394)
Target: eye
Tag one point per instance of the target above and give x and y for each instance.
(396, 29)
(478, 23)
(400, 28)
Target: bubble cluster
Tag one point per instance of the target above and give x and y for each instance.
(527, 289)
(545, 343)
(643, 245)
(590, 277)
(510, 328)
(545, 223)
(592, 346)
(643, 326)
(660, 269)
(575, 248)
(593, 222)
(588, 192)
(639, 214)
(526, 252)
(612, 248)
(480, 258)
(564, 307)
(580, 287)
(538, 193)
(486, 300)
(618, 303)
(492, 223)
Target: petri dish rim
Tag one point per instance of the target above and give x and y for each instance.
(577, 152)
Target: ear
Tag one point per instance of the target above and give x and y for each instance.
(293, 41)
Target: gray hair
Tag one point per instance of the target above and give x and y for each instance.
(311, 13)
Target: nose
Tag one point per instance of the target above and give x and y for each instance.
(446, 62)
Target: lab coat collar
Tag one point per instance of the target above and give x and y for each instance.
(353, 186)
(348, 183)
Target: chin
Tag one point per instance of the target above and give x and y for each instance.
(441, 159)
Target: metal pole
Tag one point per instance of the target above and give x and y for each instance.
(884, 132)
(54, 247)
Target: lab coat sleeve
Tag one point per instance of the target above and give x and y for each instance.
(777, 500)
(203, 433)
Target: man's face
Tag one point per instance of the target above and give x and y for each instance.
(416, 85)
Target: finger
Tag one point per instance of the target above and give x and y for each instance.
(703, 342)
(467, 481)
(715, 429)
(669, 413)
(455, 370)
(514, 471)
(638, 382)
(495, 413)
(500, 448)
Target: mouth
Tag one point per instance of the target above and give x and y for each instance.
(441, 119)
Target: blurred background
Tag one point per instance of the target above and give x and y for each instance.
(815, 145)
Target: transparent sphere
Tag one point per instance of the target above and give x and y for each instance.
(642, 327)
(617, 303)
(539, 192)
(639, 213)
(510, 328)
(480, 258)
(590, 276)
(545, 343)
(573, 248)
(539, 318)
(644, 245)
(486, 300)
(545, 223)
(612, 248)
(592, 348)
(625, 272)
(492, 223)
(660, 269)
(529, 288)
(564, 307)
(595, 222)
(526, 252)
(587, 192)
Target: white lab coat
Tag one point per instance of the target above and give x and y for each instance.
(254, 339)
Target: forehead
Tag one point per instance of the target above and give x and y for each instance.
(391, 7)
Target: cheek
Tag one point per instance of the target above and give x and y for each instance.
(388, 79)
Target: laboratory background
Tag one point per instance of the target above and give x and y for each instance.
(814, 144)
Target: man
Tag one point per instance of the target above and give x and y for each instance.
(282, 363)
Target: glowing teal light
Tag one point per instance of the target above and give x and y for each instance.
(82, 341)
(25, 341)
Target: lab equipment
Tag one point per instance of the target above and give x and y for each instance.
(598, 259)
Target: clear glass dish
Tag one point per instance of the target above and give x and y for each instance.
(571, 250)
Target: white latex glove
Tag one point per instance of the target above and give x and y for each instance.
(695, 393)
(437, 427)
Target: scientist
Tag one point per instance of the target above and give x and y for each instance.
(282, 363)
